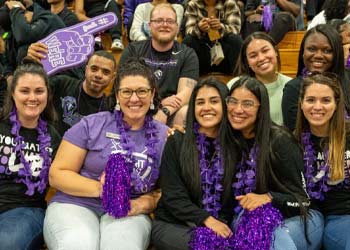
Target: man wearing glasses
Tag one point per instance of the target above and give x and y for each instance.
(175, 65)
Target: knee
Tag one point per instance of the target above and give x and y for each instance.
(284, 17)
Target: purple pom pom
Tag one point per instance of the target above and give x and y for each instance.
(116, 190)
(203, 238)
(255, 229)
(267, 17)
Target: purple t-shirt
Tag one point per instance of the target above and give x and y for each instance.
(98, 134)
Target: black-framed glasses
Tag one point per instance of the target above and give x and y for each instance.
(163, 21)
(246, 105)
(140, 92)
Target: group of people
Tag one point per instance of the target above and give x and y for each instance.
(235, 178)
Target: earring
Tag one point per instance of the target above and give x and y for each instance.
(117, 106)
(151, 107)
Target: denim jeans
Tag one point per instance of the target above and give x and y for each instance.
(21, 228)
(291, 236)
(336, 232)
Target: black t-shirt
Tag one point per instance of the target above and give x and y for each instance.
(71, 101)
(12, 194)
(337, 199)
(168, 67)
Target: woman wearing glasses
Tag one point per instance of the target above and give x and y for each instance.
(324, 135)
(106, 170)
(270, 172)
(196, 173)
(209, 23)
(320, 51)
(259, 58)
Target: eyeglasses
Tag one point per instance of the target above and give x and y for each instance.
(163, 21)
(246, 105)
(140, 92)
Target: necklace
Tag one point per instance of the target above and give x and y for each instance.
(246, 175)
(211, 173)
(121, 179)
(25, 174)
(317, 189)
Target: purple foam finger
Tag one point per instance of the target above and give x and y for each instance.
(62, 42)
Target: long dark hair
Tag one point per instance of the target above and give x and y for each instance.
(266, 132)
(189, 152)
(135, 67)
(29, 67)
(242, 66)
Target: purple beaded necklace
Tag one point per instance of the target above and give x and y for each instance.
(120, 178)
(25, 174)
(211, 173)
(246, 175)
(316, 190)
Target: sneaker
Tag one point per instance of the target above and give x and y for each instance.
(117, 45)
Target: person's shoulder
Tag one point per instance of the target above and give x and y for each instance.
(294, 83)
(284, 78)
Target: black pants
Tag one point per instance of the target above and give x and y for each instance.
(282, 23)
(167, 236)
(231, 45)
(98, 8)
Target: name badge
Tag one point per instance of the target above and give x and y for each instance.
(112, 135)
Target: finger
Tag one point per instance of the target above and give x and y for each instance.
(96, 24)
(239, 197)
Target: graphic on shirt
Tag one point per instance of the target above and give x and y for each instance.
(160, 66)
(10, 162)
(320, 161)
(69, 107)
(141, 168)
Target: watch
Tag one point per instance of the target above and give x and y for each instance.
(166, 111)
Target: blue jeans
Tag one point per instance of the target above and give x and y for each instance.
(22, 228)
(291, 236)
(336, 232)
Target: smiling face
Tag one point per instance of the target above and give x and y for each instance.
(262, 58)
(243, 117)
(318, 106)
(208, 110)
(30, 97)
(318, 53)
(163, 33)
(99, 72)
(134, 107)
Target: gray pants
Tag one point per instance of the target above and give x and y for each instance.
(73, 227)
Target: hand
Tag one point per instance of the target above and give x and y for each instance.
(259, 9)
(172, 101)
(175, 127)
(252, 201)
(214, 23)
(71, 46)
(203, 25)
(14, 4)
(220, 228)
(102, 182)
(37, 51)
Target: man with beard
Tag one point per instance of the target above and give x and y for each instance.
(74, 98)
(175, 65)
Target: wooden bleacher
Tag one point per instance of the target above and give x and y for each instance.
(289, 52)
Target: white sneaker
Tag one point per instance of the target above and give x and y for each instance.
(117, 45)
